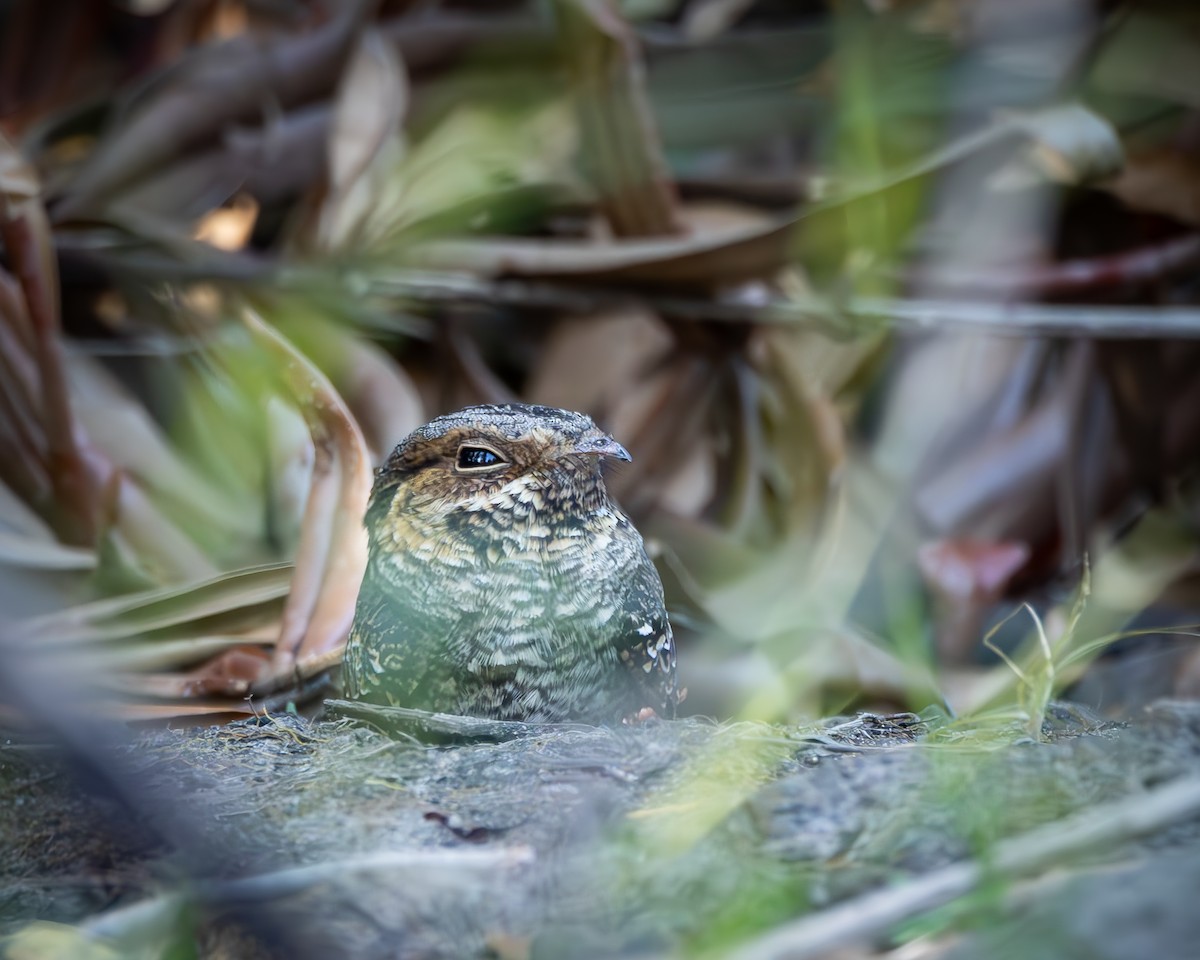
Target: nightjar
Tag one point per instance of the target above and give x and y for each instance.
(502, 580)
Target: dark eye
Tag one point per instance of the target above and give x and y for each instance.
(472, 458)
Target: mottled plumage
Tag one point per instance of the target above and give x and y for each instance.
(503, 581)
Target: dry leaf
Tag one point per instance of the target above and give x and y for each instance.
(212, 87)
(365, 139)
(28, 242)
(621, 147)
(1165, 180)
(229, 227)
(332, 553)
(966, 578)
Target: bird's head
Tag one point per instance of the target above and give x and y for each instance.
(496, 460)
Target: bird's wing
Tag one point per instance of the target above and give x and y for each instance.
(646, 643)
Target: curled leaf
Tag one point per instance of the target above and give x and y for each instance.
(332, 552)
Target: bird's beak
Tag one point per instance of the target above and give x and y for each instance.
(602, 446)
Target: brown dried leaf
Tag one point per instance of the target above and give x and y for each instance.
(1004, 488)
(675, 406)
(966, 578)
(704, 260)
(965, 569)
(365, 139)
(223, 711)
(371, 103)
(809, 441)
(1165, 180)
(210, 88)
(25, 231)
(621, 146)
(632, 341)
(1025, 480)
(332, 553)
(624, 393)
(232, 673)
(275, 162)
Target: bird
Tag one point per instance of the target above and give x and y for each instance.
(504, 582)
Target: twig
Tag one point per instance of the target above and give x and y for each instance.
(1007, 320)
(842, 319)
(442, 726)
(126, 922)
(1072, 276)
(875, 913)
(425, 863)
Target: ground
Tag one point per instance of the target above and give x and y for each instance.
(329, 837)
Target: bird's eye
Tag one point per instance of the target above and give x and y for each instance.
(475, 458)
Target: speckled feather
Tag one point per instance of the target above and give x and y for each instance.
(516, 592)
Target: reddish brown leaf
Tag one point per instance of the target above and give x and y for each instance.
(966, 578)
(185, 713)
(231, 674)
(27, 239)
(332, 552)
